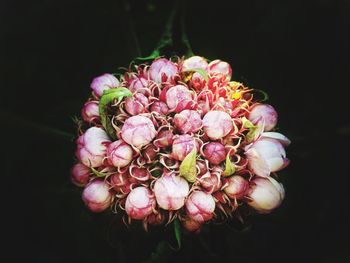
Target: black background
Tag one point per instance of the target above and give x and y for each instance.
(297, 51)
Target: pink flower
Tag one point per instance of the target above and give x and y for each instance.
(191, 225)
(182, 146)
(195, 62)
(210, 182)
(97, 196)
(160, 107)
(217, 124)
(220, 67)
(150, 153)
(90, 111)
(122, 182)
(214, 152)
(200, 206)
(119, 154)
(91, 147)
(139, 85)
(178, 98)
(235, 186)
(139, 173)
(80, 174)
(266, 155)
(164, 138)
(138, 131)
(139, 203)
(136, 104)
(188, 121)
(265, 194)
(102, 83)
(265, 113)
(162, 70)
(170, 191)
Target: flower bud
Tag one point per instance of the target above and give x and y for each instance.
(162, 70)
(122, 182)
(160, 107)
(236, 186)
(119, 154)
(178, 98)
(195, 62)
(139, 203)
(266, 155)
(139, 173)
(91, 147)
(139, 85)
(96, 195)
(182, 146)
(191, 225)
(90, 111)
(214, 152)
(156, 218)
(102, 83)
(80, 174)
(150, 153)
(217, 124)
(137, 104)
(220, 67)
(210, 182)
(164, 138)
(200, 206)
(266, 113)
(265, 194)
(138, 131)
(170, 191)
(187, 121)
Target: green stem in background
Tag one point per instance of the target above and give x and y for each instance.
(167, 37)
(184, 38)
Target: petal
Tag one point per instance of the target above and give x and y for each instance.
(257, 163)
(277, 136)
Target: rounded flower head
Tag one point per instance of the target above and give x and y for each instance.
(220, 67)
(266, 155)
(137, 104)
(236, 186)
(265, 113)
(96, 196)
(91, 148)
(170, 191)
(90, 111)
(191, 225)
(182, 146)
(119, 154)
(217, 124)
(188, 121)
(139, 203)
(178, 98)
(80, 174)
(195, 62)
(102, 83)
(162, 70)
(138, 84)
(200, 206)
(265, 194)
(138, 131)
(215, 152)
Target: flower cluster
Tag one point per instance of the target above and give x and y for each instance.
(178, 139)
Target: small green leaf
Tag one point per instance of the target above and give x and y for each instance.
(201, 71)
(99, 174)
(188, 166)
(229, 166)
(247, 123)
(177, 230)
(253, 129)
(107, 97)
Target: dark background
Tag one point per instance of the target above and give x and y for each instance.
(297, 51)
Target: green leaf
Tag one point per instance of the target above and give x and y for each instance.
(177, 230)
(247, 123)
(99, 174)
(201, 71)
(253, 129)
(188, 166)
(229, 166)
(108, 97)
(155, 54)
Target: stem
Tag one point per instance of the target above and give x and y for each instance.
(184, 36)
(167, 37)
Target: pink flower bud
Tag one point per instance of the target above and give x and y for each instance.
(266, 113)
(266, 155)
(191, 225)
(139, 85)
(96, 195)
(160, 107)
(170, 191)
(137, 104)
(80, 174)
(119, 154)
(91, 147)
(178, 98)
(188, 121)
(90, 111)
(139, 173)
(217, 124)
(200, 206)
(195, 62)
(138, 131)
(265, 194)
(104, 82)
(214, 152)
(162, 70)
(164, 138)
(236, 186)
(122, 182)
(182, 146)
(139, 203)
(210, 182)
(150, 153)
(220, 67)
(156, 218)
